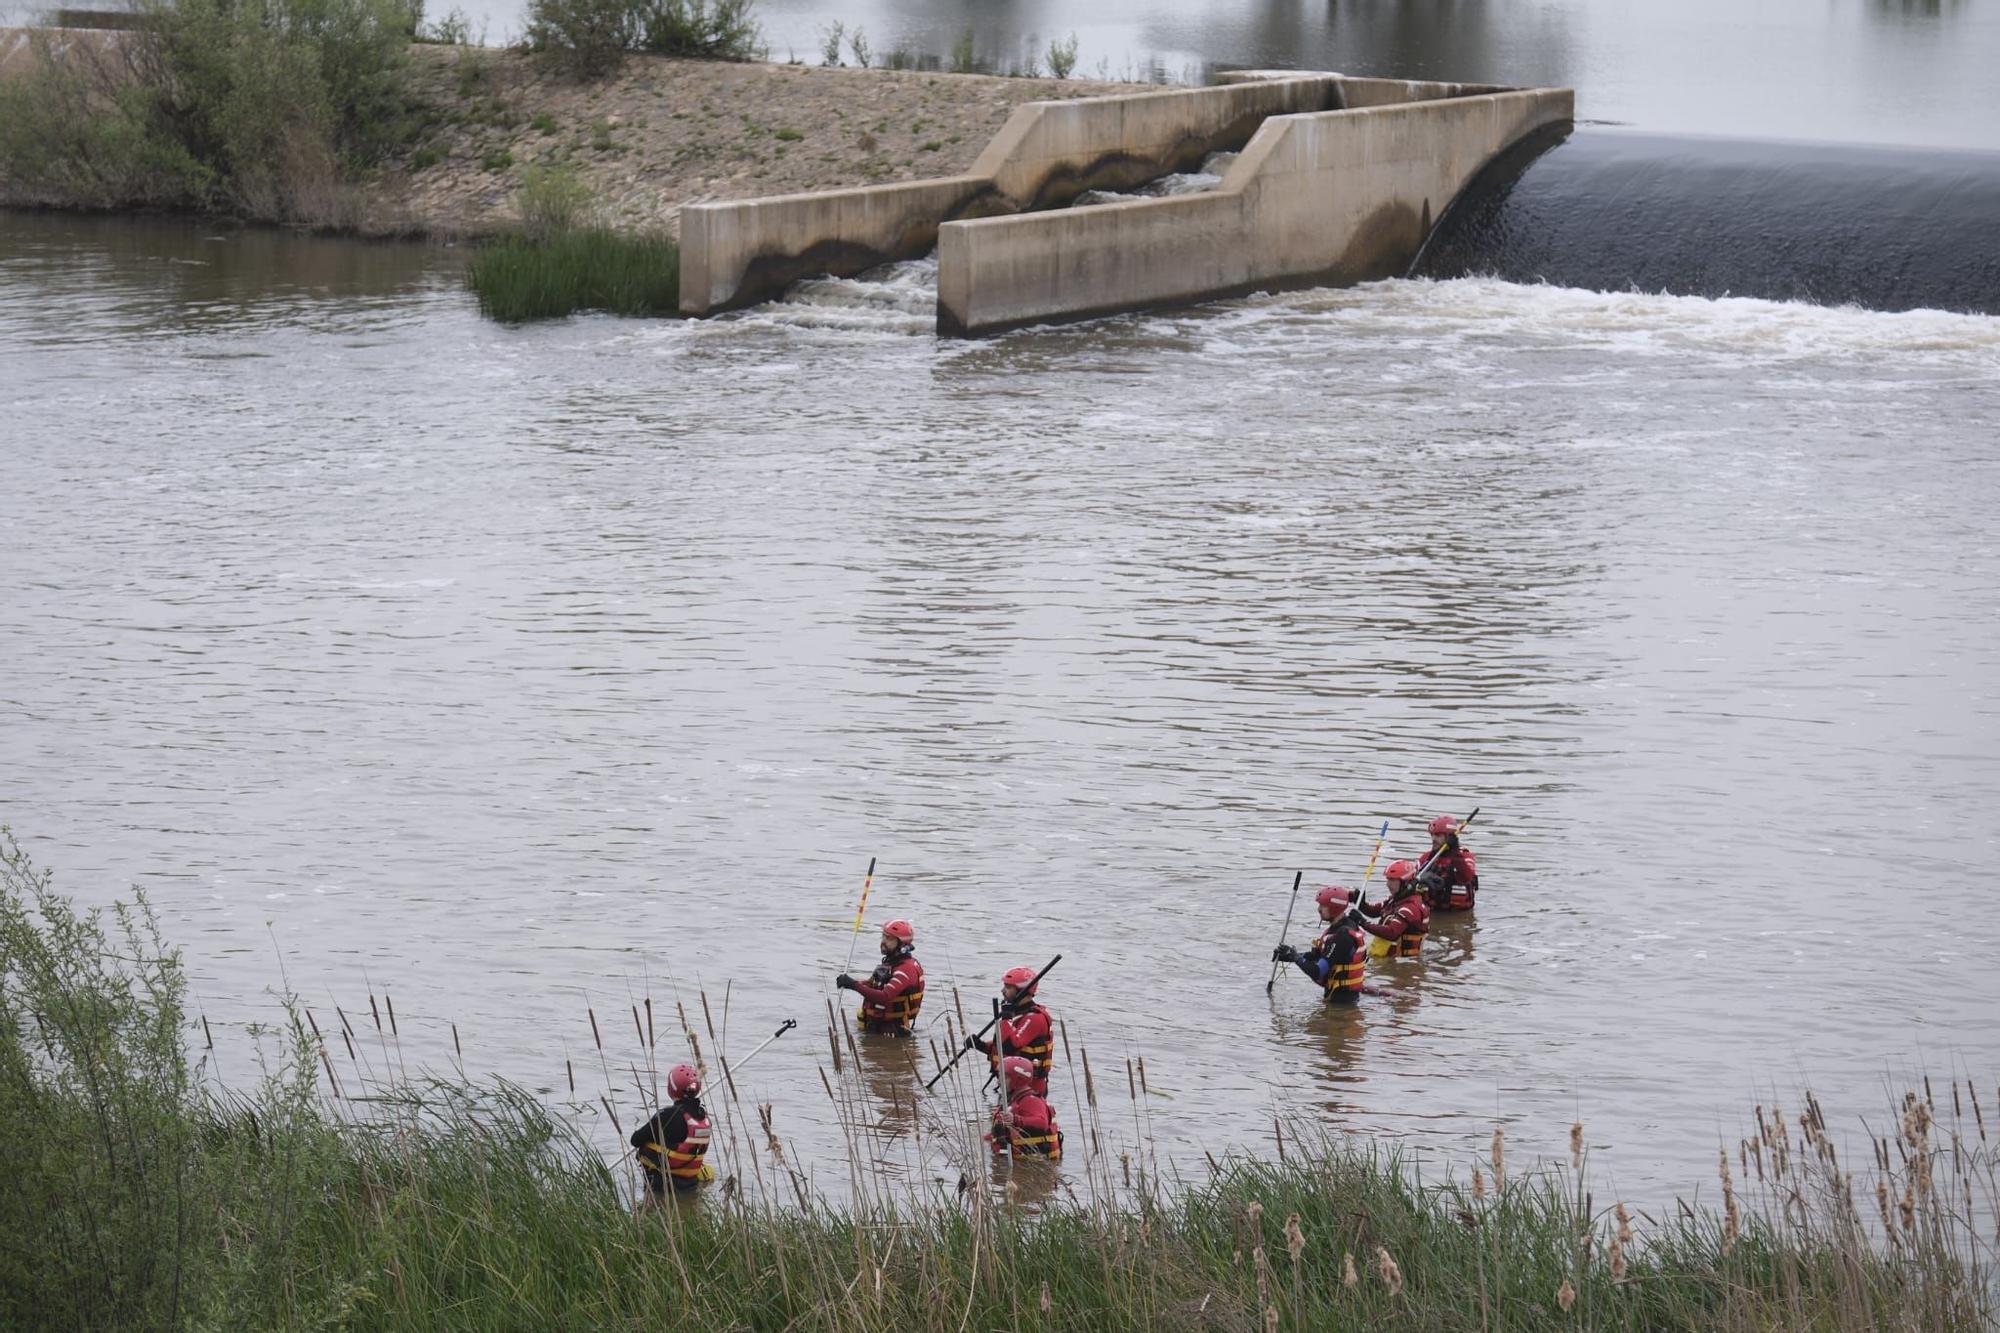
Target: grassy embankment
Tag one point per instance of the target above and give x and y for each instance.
(139, 1195)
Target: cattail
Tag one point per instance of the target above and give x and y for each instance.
(1048, 1304)
(1624, 1225)
(1576, 1145)
(1478, 1184)
(1565, 1296)
(1731, 1220)
(1392, 1276)
(1348, 1277)
(1908, 1208)
(1271, 1318)
(1882, 1202)
(1499, 1160)
(1295, 1239)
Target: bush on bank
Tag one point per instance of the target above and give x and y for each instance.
(261, 108)
(592, 37)
(138, 1195)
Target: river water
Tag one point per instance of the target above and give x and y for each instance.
(514, 671)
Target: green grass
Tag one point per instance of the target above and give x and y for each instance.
(589, 269)
(140, 1195)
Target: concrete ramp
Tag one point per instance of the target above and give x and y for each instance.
(1339, 180)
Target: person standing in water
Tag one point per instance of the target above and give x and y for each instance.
(1338, 958)
(1025, 1029)
(1450, 877)
(894, 992)
(1403, 918)
(1024, 1125)
(671, 1145)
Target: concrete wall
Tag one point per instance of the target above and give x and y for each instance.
(740, 253)
(1328, 197)
(1050, 152)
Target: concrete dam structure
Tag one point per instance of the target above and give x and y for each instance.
(1337, 180)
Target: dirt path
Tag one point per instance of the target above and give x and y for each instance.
(664, 132)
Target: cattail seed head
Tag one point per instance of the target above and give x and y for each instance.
(1624, 1225)
(1617, 1259)
(1499, 1159)
(1565, 1296)
(1048, 1305)
(1385, 1267)
(1576, 1145)
(1295, 1239)
(1478, 1184)
(1348, 1277)
(1271, 1318)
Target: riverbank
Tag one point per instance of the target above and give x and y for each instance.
(657, 134)
(145, 1196)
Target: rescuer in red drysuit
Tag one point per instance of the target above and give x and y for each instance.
(1450, 877)
(1336, 960)
(1403, 918)
(1024, 1126)
(672, 1144)
(894, 992)
(1024, 1026)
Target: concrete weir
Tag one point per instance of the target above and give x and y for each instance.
(1338, 180)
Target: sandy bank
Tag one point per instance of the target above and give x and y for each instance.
(662, 133)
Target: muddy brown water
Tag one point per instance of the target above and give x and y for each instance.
(510, 671)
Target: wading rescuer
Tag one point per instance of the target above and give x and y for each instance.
(673, 1143)
(1024, 1028)
(1024, 1125)
(1451, 876)
(1403, 918)
(894, 992)
(1336, 960)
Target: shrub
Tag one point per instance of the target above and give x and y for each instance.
(258, 107)
(857, 43)
(964, 59)
(594, 269)
(552, 201)
(496, 159)
(700, 29)
(830, 39)
(1062, 56)
(589, 38)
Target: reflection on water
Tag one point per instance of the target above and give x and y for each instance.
(494, 665)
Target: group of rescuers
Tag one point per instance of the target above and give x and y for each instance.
(671, 1145)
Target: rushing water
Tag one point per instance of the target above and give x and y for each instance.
(509, 670)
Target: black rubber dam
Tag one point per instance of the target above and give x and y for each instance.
(1832, 224)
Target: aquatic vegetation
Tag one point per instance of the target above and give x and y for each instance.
(592, 268)
(140, 1194)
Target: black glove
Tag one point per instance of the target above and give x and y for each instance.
(1431, 879)
(1284, 953)
(844, 981)
(971, 1043)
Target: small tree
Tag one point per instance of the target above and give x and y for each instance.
(1062, 57)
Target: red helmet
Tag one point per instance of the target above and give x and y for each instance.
(1020, 977)
(1020, 1072)
(1443, 826)
(683, 1081)
(1401, 870)
(901, 931)
(1336, 897)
